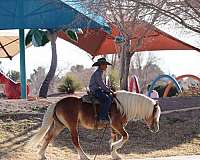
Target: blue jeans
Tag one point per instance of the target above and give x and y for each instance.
(105, 103)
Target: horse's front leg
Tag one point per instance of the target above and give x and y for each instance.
(118, 144)
(113, 136)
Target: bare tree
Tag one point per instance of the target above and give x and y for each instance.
(183, 12)
(82, 74)
(126, 14)
(145, 67)
(36, 79)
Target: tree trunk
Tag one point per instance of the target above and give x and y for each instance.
(125, 58)
(45, 85)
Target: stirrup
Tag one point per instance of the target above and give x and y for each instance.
(104, 122)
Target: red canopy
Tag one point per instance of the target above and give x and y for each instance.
(97, 42)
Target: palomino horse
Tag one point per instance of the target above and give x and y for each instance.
(70, 111)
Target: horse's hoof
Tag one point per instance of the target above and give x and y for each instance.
(115, 156)
(43, 158)
(84, 158)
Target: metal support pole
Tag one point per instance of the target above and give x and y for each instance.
(22, 64)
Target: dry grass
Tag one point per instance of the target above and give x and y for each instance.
(179, 135)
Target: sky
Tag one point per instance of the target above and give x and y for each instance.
(171, 62)
(179, 62)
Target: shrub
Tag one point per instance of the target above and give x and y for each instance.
(69, 85)
(114, 79)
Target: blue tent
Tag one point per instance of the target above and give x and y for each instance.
(44, 14)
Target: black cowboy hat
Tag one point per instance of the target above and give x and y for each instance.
(101, 61)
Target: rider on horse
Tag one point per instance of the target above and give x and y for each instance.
(100, 90)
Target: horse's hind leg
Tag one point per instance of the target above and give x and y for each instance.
(75, 140)
(72, 124)
(51, 134)
(118, 144)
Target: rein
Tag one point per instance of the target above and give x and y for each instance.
(101, 138)
(115, 97)
(100, 141)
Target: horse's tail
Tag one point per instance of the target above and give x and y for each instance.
(46, 123)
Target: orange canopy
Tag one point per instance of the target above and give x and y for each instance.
(97, 42)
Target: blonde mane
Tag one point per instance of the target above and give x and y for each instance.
(135, 106)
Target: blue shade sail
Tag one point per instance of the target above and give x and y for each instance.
(47, 14)
(44, 14)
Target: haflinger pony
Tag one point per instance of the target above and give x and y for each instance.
(70, 111)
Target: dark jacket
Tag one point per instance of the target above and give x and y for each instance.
(96, 82)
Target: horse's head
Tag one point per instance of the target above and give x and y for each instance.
(153, 120)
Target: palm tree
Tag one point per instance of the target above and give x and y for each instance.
(40, 38)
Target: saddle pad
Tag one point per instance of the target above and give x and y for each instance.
(90, 99)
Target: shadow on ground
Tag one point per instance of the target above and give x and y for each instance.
(16, 130)
(176, 128)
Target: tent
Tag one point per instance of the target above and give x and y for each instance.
(96, 42)
(44, 14)
(9, 46)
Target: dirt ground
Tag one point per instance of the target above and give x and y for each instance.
(19, 119)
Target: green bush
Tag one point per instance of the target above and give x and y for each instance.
(69, 85)
(114, 79)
